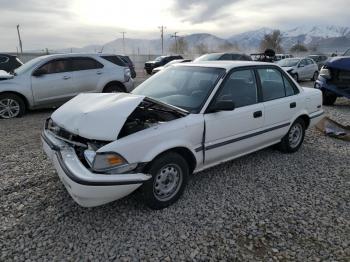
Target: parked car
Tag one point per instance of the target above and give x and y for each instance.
(300, 68)
(51, 80)
(224, 56)
(160, 61)
(279, 57)
(129, 63)
(319, 59)
(184, 119)
(9, 63)
(334, 79)
(267, 56)
(177, 61)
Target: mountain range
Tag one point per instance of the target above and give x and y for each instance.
(326, 39)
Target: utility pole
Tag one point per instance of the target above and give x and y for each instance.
(175, 36)
(19, 39)
(162, 27)
(123, 33)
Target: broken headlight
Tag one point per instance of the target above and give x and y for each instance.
(325, 72)
(110, 162)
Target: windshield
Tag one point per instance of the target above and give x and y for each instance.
(186, 87)
(288, 62)
(208, 57)
(27, 66)
(347, 53)
(159, 58)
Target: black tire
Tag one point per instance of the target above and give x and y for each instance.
(289, 143)
(315, 76)
(328, 98)
(172, 168)
(114, 88)
(16, 102)
(296, 77)
(149, 72)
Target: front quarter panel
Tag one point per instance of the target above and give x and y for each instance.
(19, 84)
(145, 145)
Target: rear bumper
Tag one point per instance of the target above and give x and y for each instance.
(316, 117)
(129, 85)
(86, 188)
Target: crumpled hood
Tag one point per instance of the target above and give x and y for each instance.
(96, 116)
(342, 63)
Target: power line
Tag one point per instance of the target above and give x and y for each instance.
(175, 36)
(123, 33)
(19, 39)
(162, 27)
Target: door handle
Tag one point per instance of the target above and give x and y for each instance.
(66, 77)
(257, 114)
(99, 73)
(292, 105)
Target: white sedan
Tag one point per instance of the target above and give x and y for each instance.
(182, 120)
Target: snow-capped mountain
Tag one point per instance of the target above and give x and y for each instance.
(308, 35)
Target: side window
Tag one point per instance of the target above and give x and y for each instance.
(271, 84)
(303, 62)
(56, 66)
(85, 63)
(289, 87)
(311, 62)
(3, 59)
(226, 57)
(115, 60)
(240, 87)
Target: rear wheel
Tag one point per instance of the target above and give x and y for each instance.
(11, 106)
(169, 178)
(114, 88)
(328, 98)
(292, 141)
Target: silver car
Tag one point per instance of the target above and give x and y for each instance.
(51, 80)
(300, 68)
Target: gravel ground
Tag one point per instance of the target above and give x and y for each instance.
(262, 207)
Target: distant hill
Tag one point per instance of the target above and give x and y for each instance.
(324, 38)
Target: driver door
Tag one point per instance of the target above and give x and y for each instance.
(231, 133)
(55, 84)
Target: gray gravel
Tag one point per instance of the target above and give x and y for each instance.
(262, 207)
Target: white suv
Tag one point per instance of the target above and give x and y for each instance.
(51, 80)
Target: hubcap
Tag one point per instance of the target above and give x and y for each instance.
(295, 135)
(167, 182)
(9, 108)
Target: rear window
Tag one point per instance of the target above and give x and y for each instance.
(115, 60)
(85, 63)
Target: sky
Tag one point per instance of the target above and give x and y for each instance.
(76, 23)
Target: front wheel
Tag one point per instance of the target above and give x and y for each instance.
(328, 98)
(315, 76)
(169, 178)
(293, 140)
(296, 77)
(113, 88)
(11, 106)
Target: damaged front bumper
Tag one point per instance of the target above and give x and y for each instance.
(88, 189)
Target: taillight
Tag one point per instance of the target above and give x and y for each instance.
(127, 74)
(325, 72)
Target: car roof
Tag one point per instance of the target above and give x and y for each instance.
(224, 64)
(78, 54)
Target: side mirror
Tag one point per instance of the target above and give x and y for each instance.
(222, 105)
(39, 72)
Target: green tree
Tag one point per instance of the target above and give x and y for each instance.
(179, 47)
(272, 41)
(298, 48)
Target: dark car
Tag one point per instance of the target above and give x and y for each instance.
(160, 61)
(334, 79)
(130, 64)
(224, 57)
(9, 63)
(319, 59)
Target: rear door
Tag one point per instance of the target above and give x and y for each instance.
(281, 102)
(55, 85)
(86, 74)
(303, 69)
(230, 133)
